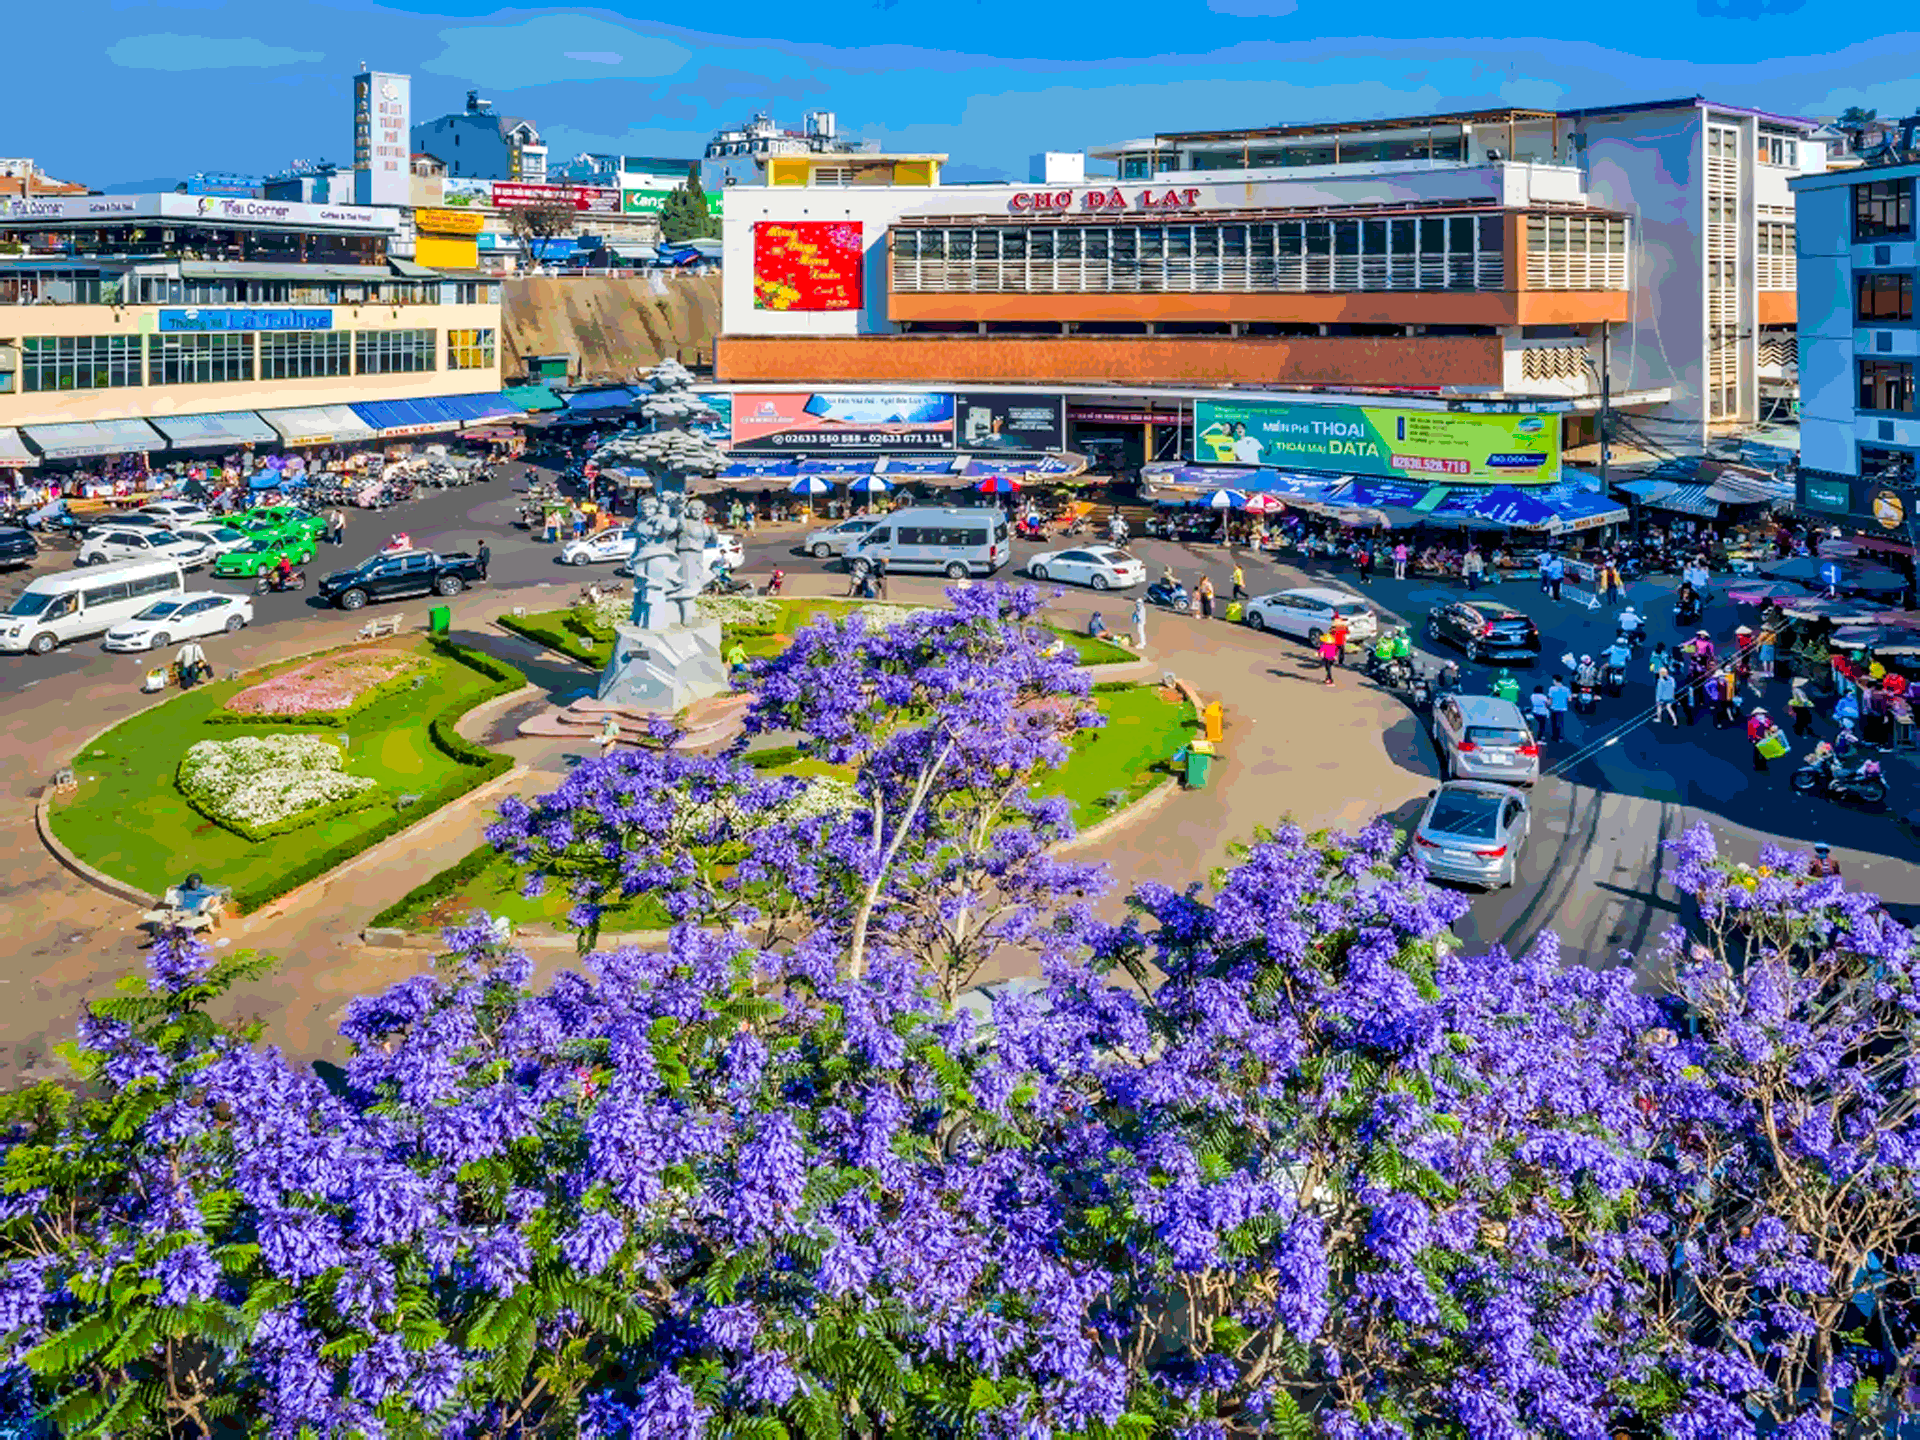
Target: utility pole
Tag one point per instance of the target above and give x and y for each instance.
(1606, 396)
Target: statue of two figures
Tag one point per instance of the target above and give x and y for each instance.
(671, 538)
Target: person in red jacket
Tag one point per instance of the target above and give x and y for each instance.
(1759, 727)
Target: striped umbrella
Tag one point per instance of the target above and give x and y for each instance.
(998, 485)
(1265, 504)
(870, 485)
(809, 485)
(1227, 500)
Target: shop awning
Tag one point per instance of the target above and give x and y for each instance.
(927, 465)
(224, 427)
(407, 270)
(392, 418)
(618, 398)
(13, 450)
(93, 437)
(1681, 500)
(472, 409)
(318, 425)
(1584, 510)
(532, 398)
(781, 468)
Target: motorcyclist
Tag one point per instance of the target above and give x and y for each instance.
(1402, 645)
(1630, 625)
(1588, 674)
(1618, 654)
(282, 573)
(1506, 687)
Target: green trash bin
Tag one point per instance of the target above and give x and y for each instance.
(440, 619)
(1199, 765)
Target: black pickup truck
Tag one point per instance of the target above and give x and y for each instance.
(17, 546)
(397, 574)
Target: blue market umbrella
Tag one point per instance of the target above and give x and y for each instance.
(1227, 499)
(1504, 505)
(870, 485)
(809, 485)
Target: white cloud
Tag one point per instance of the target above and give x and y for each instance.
(167, 51)
(551, 48)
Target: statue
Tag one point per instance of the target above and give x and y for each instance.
(653, 529)
(694, 536)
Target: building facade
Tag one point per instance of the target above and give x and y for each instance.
(1859, 430)
(479, 143)
(151, 306)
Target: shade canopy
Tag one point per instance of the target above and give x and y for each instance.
(998, 485)
(222, 427)
(1226, 499)
(809, 485)
(870, 485)
(318, 425)
(13, 450)
(93, 437)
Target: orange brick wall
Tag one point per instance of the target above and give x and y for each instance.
(1093, 359)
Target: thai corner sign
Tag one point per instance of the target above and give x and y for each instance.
(1368, 440)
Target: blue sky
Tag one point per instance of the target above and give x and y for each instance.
(118, 90)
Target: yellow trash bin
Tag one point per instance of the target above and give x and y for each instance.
(1214, 722)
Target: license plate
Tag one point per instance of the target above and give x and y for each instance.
(1500, 757)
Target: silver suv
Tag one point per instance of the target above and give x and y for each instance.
(1482, 737)
(835, 539)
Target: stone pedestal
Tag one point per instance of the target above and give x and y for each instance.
(663, 670)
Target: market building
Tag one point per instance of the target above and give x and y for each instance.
(1503, 257)
(1859, 431)
(148, 323)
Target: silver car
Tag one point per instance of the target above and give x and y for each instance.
(1472, 831)
(1482, 737)
(835, 539)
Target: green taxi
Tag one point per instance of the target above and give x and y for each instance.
(280, 522)
(263, 554)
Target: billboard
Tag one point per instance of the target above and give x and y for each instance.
(1370, 440)
(382, 138)
(720, 428)
(652, 202)
(511, 195)
(843, 421)
(997, 420)
(193, 322)
(807, 265)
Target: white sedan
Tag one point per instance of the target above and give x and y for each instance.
(1309, 614)
(1101, 566)
(608, 545)
(721, 550)
(181, 617)
(175, 513)
(221, 538)
(128, 542)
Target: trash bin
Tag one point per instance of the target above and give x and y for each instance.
(440, 619)
(1199, 765)
(1215, 725)
(1236, 612)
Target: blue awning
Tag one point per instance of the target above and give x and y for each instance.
(93, 437)
(471, 409)
(389, 418)
(853, 465)
(225, 427)
(781, 468)
(617, 398)
(897, 465)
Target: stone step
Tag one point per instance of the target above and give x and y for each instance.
(718, 707)
(710, 737)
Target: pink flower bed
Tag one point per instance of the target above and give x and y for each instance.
(333, 682)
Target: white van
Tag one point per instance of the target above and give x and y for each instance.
(952, 541)
(57, 608)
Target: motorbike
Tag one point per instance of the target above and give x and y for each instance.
(1076, 526)
(724, 584)
(1420, 689)
(1586, 696)
(1825, 773)
(1169, 594)
(1615, 679)
(267, 580)
(1686, 611)
(1393, 671)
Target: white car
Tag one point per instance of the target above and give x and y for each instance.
(599, 549)
(1102, 566)
(181, 617)
(834, 540)
(722, 550)
(175, 513)
(1309, 614)
(221, 538)
(126, 542)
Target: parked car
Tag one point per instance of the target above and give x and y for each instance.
(1472, 831)
(260, 557)
(281, 522)
(1310, 613)
(396, 574)
(951, 541)
(599, 549)
(54, 609)
(834, 540)
(175, 513)
(1104, 567)
(124, 520)
(724, 550)
(1482, 737)
(221, 537)
(115, 542)
(17, 546)
(181, 617)
(1485, 630)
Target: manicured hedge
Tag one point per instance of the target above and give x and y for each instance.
(571, 638)
(334, 718)
(439, 887)
(482, 765)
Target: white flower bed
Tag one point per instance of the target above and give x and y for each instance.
(756, 612)
(885, 617)
(606, 612)
(258, 783)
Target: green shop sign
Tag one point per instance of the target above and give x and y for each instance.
(1370, 440)
(1829, 495)
(652, 202)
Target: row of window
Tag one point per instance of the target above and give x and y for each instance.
(103, 362)
(1458, 234)
(1886, 295)
(1883, 210)
(77, 288)
(1887, 385)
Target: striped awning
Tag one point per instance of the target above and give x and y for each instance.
(318, 425)
(13, 450)
(221, 427)
(93, 437)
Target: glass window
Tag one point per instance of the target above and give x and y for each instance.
(1125, 239)
(1882, 209)
(906, 244)
(1886, 385)
(79, 362)
(1400, 235)
(1346, 237)
(1013, 244)
(1260, 240)
(1460, 234)
(1040, 245)
(1433, 236)
(1068, 245)
(1153, 241)
(394, 352)
(302, 355)
(1206, 242)
(1373, 237)
(1233, 241)
(986, 244)
(470, 349)
(1319, 237)
(1289, 239)
(1490, 238)
(1179, 242)
(1886, 297)
(199, 359)
(1097, 244)
(933, 244)
(960, 244)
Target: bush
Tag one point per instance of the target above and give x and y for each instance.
(371, 696)
(571, 637)
(439, 887)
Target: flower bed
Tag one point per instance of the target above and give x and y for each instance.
(327, 690)
(262, 785)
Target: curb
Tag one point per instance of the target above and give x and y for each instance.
(1120, 669)
(43, 823)
(1120, 819)
(500, 704)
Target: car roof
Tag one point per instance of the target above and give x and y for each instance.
(1486, 789)
(1487, 706)
(1332, 597)
(1493, 609)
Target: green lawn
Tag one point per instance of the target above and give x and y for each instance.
(128, 818)
(1126, 758)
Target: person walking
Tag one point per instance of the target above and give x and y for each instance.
(337, 526)
(1400, 560)
(1725, 692)
(1363, 558)
(880, 575)
(1204, 594)
(1610, 586)
(1664, 691)
(1759, 729)
(1800, 706)
(1764, 646)
(1140, 624)
(1329, 652)
(1555, 571)
(1472, 567)
(609, 736)
(1239, 582)
(1542, 711)
(1560, 697)
(483, 557)
(776, 580)
(1337, 632)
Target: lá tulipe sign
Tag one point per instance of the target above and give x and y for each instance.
(1104, 199)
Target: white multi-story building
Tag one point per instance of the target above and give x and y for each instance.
(1859, 431)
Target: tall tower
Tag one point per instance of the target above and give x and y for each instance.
(382, 138)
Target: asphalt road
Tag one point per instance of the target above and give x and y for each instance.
(1615, 791)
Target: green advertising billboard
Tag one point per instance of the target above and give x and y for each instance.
(651, 202)
(1370, 440)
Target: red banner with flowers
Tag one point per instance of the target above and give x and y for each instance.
(807, 265)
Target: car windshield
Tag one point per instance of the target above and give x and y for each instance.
(1470, 816)
(159, 611)
(1350, 609)
(1496, 735)
(167, 537)
(226, 536)
(1117, 557)
(31, 603)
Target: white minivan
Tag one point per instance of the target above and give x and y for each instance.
(57, 608)
(952, 541)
